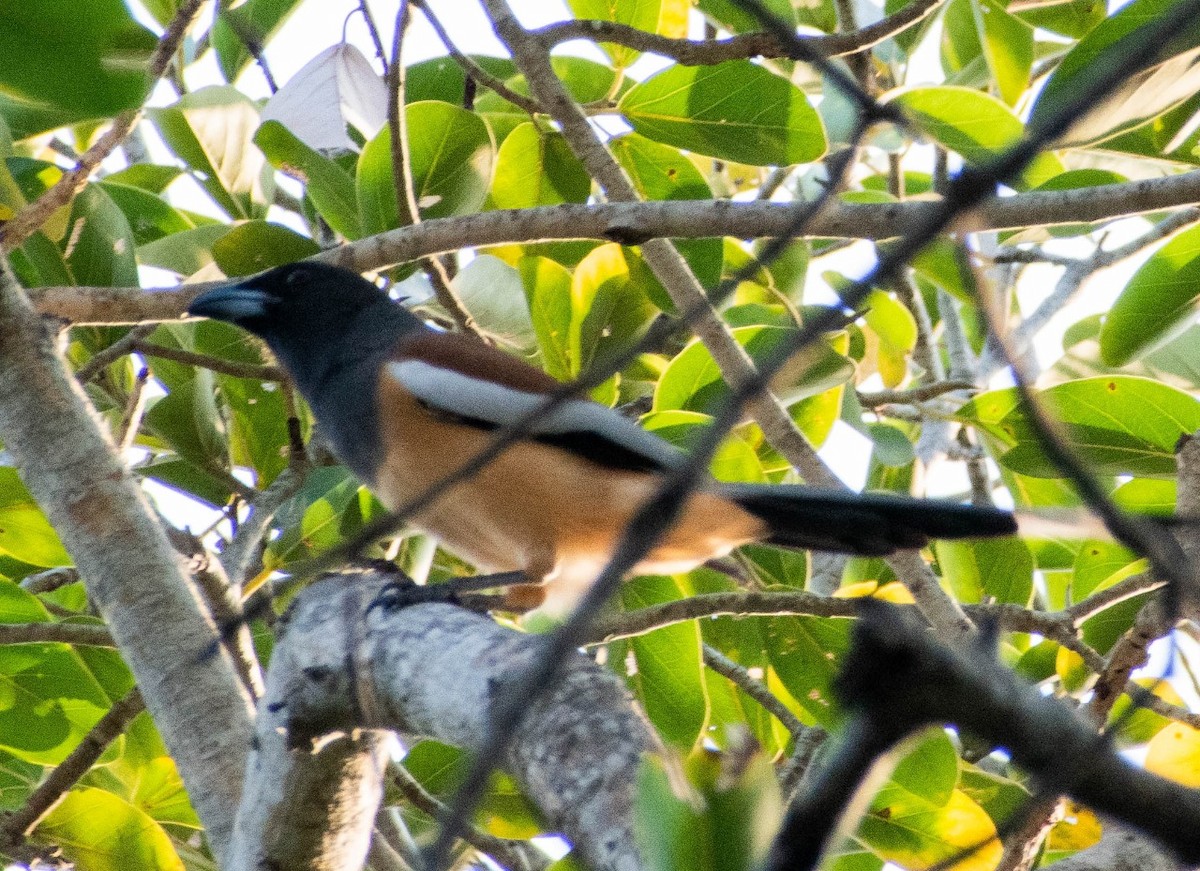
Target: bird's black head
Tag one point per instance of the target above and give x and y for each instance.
(296, 301)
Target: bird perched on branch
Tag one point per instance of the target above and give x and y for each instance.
(403, 405)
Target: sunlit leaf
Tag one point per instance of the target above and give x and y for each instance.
(735, 111)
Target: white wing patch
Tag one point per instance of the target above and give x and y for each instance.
(463, 396)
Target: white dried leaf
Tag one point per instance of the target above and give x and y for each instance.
(337, 87)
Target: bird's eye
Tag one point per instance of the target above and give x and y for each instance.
(297, 276)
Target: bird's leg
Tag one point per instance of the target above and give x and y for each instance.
(402, 593)
(477, 583)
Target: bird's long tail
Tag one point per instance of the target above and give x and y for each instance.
(866, 524)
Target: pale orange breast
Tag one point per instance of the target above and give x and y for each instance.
(538, 508)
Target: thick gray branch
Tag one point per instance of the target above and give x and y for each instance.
(624, 221)
(435, 670)
(131, 572)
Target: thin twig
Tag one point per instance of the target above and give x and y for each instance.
(1077, 273)
(84, 634)
(402, 180)
(50, 580)
(747, 45)
(253, 371)
(119, 348)
(373, 30)
(510, 854)
(135, 407)
(17, 826)
(740, 676)
(913, 394)
(236, 556)
(474, 70)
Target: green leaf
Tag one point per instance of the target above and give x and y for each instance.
(669, 680)
(248, 23)
(450, 163)
(1007, 46)
(189, 479)
(1148, 89)
(1146, 496)
(258, 413)
(493, 293)
(502, 810)
(185, 252)
(728, 825)
(50, 700)
(1103, 630)
(928, 771)
(609, 304)
(257, 245)
(668, 17)
(1099, 565)
(212, 130)
(734, 461)
(19, 606)
(548, 292)
(147, 176)
(896, 329)
(62, 62)
(999, 796)
(17, 781)
(660, 172)
(1161, 294)
(187, 419)
(778, 566)
(904, 828)
(806, 652)
(328, 185)
(1075, 18)
(150, 217)
(741, 20)
(998, 568)
(99, 250)
(692, 381)
(99, 831)
(975, 125)
(452, 158)
(25, 533)
(153, 786)
(734, 111)
(537, 169)
(315, 518)
(961, 48)
(1117, 424)
(1133, 724)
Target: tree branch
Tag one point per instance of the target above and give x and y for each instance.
(131, 573)
(88, 634)
(347, 661)
(897, 679)
(690, 52)
(664, 218)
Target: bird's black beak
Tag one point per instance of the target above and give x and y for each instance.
(234, 303)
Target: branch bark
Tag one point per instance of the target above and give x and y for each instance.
(691, 52)
(131, 572)
(434, 670)
(647, 220)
